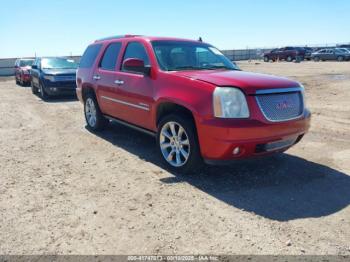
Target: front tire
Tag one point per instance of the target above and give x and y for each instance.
(93, 115)
(44, 96)
(289, 59)
(340, 58)
(33, 88)
(266, 59)
(178, 144)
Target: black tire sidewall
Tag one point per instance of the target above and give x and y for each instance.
(194, 162)
(43, 94)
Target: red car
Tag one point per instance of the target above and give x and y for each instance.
(286, 53)
(22, 70)
(197, 103)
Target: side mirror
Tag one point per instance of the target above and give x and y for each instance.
(34, 67)
(136, 65)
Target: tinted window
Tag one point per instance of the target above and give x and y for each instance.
(136, 50)
(89, 56)
(110, 56)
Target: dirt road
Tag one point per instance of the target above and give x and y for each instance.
(65, 190)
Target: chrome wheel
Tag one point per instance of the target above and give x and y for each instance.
(90, 112)
(174, 144)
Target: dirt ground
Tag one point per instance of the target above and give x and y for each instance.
(65, 190)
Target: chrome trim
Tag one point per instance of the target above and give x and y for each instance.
(119, 82)
(279, 90)
(125, 103)
(96, 77)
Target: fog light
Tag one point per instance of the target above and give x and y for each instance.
(236, 150)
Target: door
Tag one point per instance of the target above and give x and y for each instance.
(105, 76)
(329, 55)
(135, 89)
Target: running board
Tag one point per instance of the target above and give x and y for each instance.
(143, 130)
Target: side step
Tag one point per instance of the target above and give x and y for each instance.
(143, 130)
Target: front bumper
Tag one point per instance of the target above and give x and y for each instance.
(60, 88)
(25, 78)
(219, 137)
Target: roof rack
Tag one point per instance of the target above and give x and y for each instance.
(115, 37)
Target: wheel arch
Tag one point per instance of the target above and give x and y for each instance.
(165, 108)
(87, 89)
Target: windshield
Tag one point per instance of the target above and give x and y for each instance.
(342, 50)
(58, 63)
(182, 55)
(26, 63)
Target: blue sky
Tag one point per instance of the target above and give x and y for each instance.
(68, 26)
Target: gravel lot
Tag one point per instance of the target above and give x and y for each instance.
(65, 190)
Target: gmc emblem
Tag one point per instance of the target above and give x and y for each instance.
(284, 105)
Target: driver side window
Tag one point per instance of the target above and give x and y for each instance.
(136, 50)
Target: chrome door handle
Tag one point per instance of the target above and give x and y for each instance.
(119, 82)
(96, 77)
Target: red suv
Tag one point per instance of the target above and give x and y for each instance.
(196, 102)
(22, 70)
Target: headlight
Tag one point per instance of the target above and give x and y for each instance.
(50, 78)
(230, 102)
(303, 94)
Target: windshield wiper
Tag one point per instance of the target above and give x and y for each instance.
(186, 68)
(219, 67)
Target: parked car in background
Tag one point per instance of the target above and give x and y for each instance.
(347, 46)
(22, 70)
(53, 76)
(308, 53)
(193, 99)
(338, 54)
(286, 53)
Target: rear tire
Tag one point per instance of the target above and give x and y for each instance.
(44, 96)
(316, 59)
(93, 115)
(178, 145)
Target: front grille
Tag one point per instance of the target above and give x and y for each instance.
(65, 78)
(278, 107)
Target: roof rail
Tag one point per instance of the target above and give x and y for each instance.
(115, 37)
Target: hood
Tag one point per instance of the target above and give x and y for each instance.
(249, 82)
(59, 71)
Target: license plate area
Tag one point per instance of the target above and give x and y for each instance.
(276, 145)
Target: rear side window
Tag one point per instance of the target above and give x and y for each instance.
(136, 50)
(110, 57)
(89, 56)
